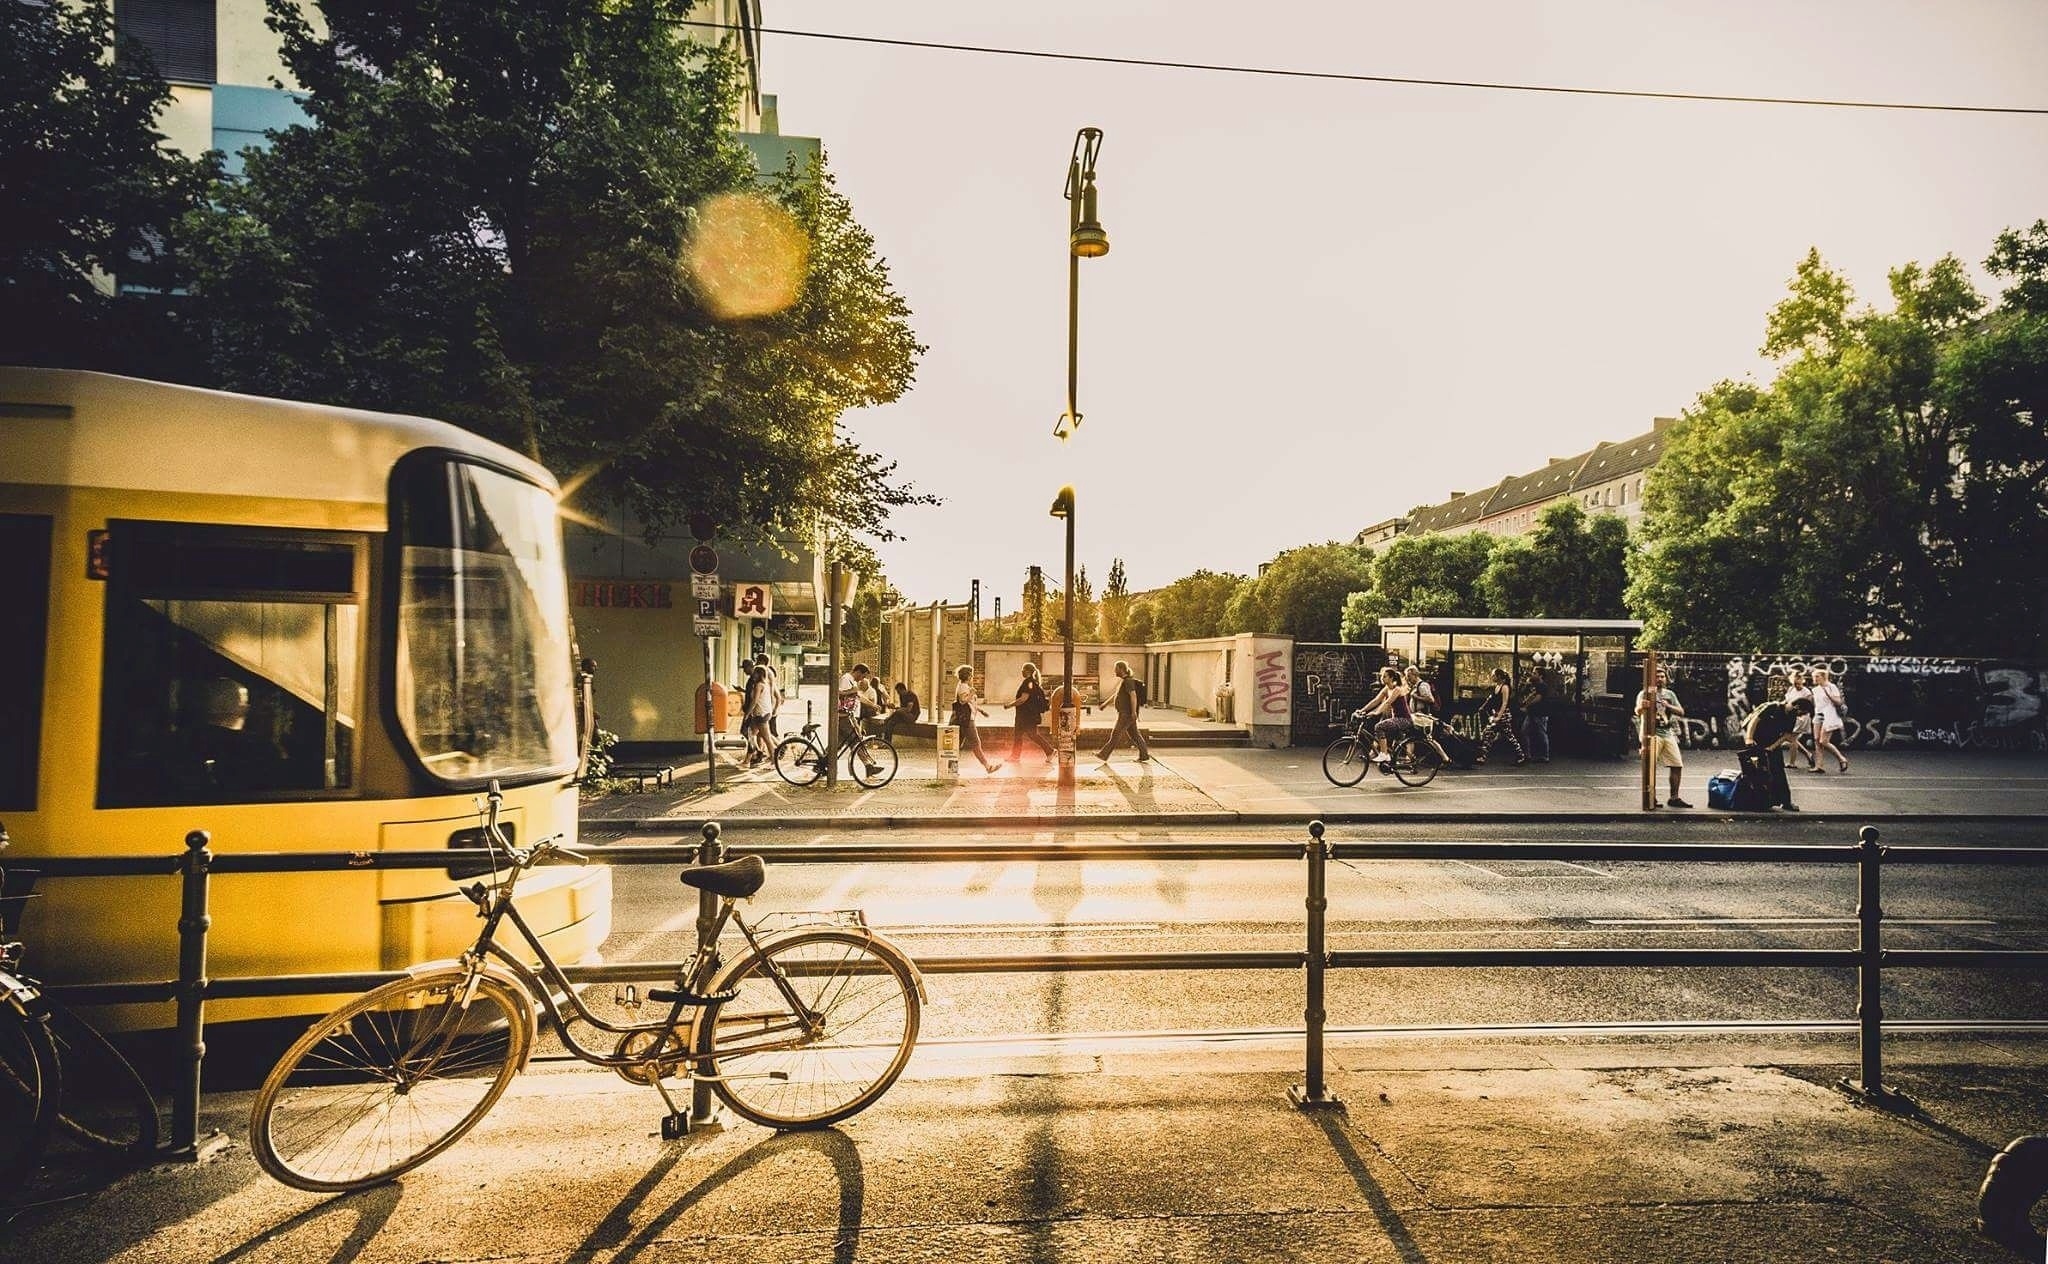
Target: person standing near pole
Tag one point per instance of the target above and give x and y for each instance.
(850, 688)
(1128, 698)
(1661, 746)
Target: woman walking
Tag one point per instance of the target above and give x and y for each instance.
(1500, 720)
(1828, 709)
(965, 707)
(1799, 685)
(1031, 705)
(758, 708)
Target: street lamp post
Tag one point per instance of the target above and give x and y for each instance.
(1068, 715)
(1085, 240)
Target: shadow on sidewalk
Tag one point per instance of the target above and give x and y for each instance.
(832, 1144)
(1333, 1127)
(372, 1209)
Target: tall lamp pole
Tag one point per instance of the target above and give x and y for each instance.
(1085, 240)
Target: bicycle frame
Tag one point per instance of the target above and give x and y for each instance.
(544, 983)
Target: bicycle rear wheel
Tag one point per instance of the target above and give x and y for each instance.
(874, 763)
(388, 1081)
(798, 762)
(1345, 762)
(1416, 761)
(831, 1055)
(107, 1107)
(31, 1090)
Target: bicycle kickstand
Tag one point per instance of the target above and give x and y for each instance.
(675, 1125)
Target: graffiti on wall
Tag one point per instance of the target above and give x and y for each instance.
(1329, 681)
(1958, 704)
(1275, 688)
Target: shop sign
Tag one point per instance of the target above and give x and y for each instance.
(620, 594)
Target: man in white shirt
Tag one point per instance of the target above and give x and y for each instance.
(852, 686)
(1663, 742)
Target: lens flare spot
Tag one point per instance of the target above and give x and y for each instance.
(746, 257)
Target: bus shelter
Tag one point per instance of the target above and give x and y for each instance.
(1585, 667)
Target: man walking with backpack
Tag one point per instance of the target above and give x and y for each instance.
(1130, 695)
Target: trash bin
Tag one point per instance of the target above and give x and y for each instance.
(948, 746)
(1225, 708)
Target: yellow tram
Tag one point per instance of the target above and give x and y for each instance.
(299, 628)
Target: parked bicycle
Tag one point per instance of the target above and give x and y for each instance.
(809, 1025)
(58, 1075)
(801, 760)
(1414, 759)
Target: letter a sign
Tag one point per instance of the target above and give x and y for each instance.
(752, 601)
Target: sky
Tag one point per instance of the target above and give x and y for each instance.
(1326, 303)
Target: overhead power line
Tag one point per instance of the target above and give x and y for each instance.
(1281, 72)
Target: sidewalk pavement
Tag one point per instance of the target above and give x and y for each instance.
(1227, 786)
(1534, 1147)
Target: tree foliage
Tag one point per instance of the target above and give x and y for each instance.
(1193, 606)
(1887, 484)
(88, 195)
(1301, 592)
(1116, 603)
(1418, 576)
(1572, 566)
(531, 220)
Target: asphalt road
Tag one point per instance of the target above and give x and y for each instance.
(961, 908)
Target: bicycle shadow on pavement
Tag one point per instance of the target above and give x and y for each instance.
(834, 1146)
(372, 1209)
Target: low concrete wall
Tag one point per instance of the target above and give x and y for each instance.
(1249, 677)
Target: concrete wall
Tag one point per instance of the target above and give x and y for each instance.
(1259, 671)
(649, 665)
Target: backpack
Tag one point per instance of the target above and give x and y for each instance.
(1138, 689)
(1721, 790)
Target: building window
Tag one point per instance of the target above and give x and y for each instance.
(24, 618)
(177, 33)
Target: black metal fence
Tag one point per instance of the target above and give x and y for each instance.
(1869, 958)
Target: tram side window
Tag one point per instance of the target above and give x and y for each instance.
(232, 665)
(24, 632)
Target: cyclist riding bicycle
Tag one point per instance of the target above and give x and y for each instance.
(1399, 720)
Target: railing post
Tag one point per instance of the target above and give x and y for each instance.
(1870, 973)
(703, 1110)
(193, 924)
(1313, 1093)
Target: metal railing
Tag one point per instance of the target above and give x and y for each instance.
(193, 987)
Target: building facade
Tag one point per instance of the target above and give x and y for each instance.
(1608, 478)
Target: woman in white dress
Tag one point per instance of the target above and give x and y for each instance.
(1798, 686)
(1828, 709)
(965, 707)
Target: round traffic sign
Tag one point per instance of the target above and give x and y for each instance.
(704, 560)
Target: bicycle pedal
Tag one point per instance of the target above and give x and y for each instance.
(675, 1127)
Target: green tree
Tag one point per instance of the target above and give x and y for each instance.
(1140, 627)
(1887, 484)
(1034, 604)
(1116, 603)
(1418, 576)
(1193, 606)
(533, 220)
(1085, 611)
(1572, 566)
(1301, 593)
(88, 195)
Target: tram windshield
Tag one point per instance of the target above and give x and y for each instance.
(483, 685)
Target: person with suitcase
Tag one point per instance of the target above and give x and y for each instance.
(1763, 784)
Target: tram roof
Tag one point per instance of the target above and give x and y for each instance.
(72, 428)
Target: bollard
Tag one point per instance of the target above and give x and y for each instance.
(703, 1110)
(1869, 975)
(1313, 1093)
(193, 923)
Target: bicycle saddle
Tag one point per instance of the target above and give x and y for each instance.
(736, 878)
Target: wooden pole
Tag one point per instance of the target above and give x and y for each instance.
(1647, 723)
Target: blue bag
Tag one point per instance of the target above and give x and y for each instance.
(1721, 791)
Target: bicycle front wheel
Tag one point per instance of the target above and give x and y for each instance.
(388, 1081)
(874, 763)
(1344, 761)
(31, 1089)
(108, 1107)
(798, 762)
(1416, 761)
(822, 1025)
